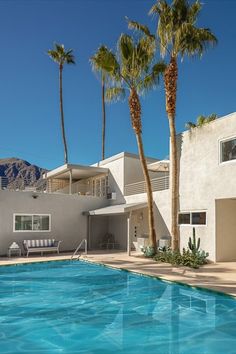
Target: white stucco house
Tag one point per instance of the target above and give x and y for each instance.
(109, 198)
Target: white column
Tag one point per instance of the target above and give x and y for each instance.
(70, 182)
(129, 235)
(89, 232)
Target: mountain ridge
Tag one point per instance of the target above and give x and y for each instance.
(19, 171)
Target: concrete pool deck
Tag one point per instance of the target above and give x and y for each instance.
(215, 276)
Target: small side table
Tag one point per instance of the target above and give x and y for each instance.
(15, 251)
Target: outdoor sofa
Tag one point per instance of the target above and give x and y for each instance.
(41, 246)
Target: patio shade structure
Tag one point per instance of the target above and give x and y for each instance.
(159, 166)
(74, 172)
(118, 209)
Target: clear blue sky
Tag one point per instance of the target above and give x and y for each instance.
(29, 107)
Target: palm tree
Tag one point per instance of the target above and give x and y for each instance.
(201, 120)
(62, 57)
(133, 69)
(177, 35)
(95, 65)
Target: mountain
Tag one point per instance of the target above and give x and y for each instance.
(20, 173)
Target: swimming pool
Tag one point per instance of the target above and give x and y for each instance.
(77, 307)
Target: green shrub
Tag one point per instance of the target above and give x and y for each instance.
(149, 251)
(187, 258)
(193, 257)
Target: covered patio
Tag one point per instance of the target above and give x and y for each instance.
(78, 179)
(123, 223)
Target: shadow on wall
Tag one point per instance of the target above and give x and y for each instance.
(99, 228)
(160, 224)
(115, 188)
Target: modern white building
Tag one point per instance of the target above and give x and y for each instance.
(106, 202)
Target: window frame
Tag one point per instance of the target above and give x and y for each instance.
(185, 212)
(191, 220)
(26, 214)
(221, 141)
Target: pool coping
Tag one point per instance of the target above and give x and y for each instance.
(205, 289)
(133, 271)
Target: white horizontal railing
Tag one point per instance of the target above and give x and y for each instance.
(158, 184)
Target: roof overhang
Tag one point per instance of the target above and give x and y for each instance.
(159, 166)
(78, 172)
(116, 209)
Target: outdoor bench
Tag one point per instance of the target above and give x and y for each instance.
(41, 246)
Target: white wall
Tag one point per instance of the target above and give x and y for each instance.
(203, 179)
(116, 176)
(133, 170)
(68, 223)
(161, 211)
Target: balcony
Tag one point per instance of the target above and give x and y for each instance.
(158, 184)
(96, 187)
(77, 179)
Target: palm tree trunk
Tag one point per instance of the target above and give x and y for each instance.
(62, 116)
(103, 118)
(171, 76)
(135, 113)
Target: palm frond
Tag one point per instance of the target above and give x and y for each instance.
(105, 60)
(60, 55)
(114, 94)
(190, 125)
(211, 117)
(193, 12)
(126, 47)
(177, 30)
(140, 27)
(153, 79)
(165, 24)
(193, 41)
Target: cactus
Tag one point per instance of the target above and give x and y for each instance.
(192, 244)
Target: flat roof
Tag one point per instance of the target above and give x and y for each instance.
(116, 209)
(78, 171)
(122, 155)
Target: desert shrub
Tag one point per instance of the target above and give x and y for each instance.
(193, 257)
(186, 258)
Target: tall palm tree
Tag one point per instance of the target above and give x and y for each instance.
(62, 57)
(133, 69)
(201, 120)
(178, 35)
(95, 65)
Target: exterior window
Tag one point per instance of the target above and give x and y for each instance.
(32, 223)
(192, 218)
(184, 219)
(228, 150)
(100, 186)
(199, 218)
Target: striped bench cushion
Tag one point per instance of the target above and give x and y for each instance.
(39, 243)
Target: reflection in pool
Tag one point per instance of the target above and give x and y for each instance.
(77, 307)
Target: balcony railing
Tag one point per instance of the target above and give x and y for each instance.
(63, 187)
(158, 184)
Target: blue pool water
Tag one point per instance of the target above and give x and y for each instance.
(76, 307)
